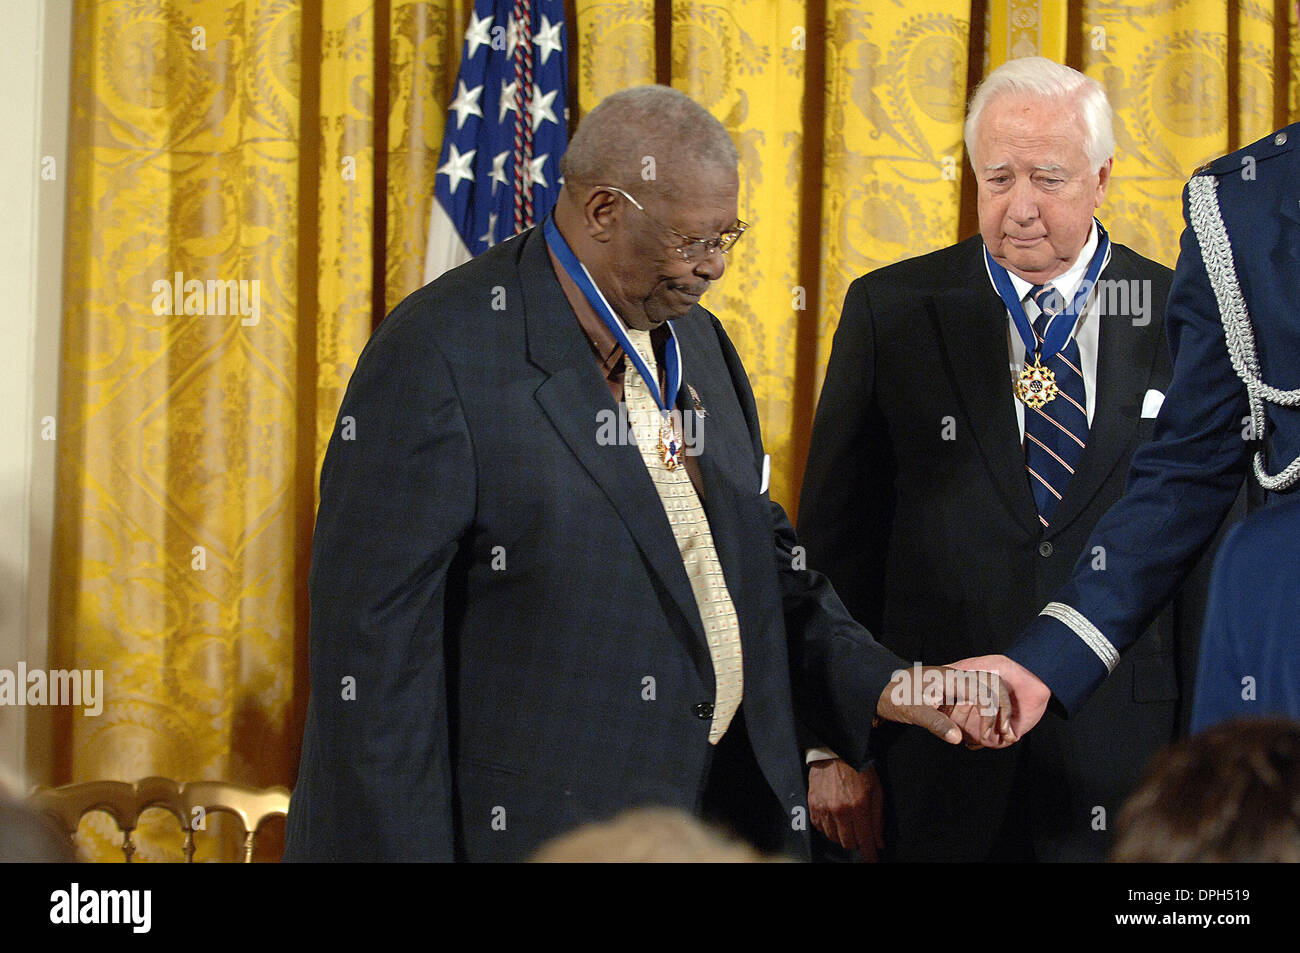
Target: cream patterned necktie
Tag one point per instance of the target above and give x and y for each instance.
(694, 539)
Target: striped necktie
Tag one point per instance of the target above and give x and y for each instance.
(694, 539)
(1056, 433)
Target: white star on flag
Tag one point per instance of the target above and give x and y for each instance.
(534, 172)
(540, 107)
(510, 185)
(499, 170)
(547, 39)
(492, 227)
(456, 168)
(476, 34)
(466, 104)
(508, 104)
(513, 31)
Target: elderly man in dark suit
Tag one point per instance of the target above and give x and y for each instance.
(980, 407)
(523, 620)
(1233, 414)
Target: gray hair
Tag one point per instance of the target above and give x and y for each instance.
(1045, 79)
(643, 130)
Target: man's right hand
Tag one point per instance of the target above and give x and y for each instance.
(847, 806)
(950, 704)
(1029, 696)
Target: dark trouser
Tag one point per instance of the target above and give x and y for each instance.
(735, 794)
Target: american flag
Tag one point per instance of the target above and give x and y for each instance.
(499, 170)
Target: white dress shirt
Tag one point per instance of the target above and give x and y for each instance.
(1087, 330)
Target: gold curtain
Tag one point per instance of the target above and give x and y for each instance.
(745, 60)
(289, 146)
(1189, 81)
(293, 143)
(895, 106)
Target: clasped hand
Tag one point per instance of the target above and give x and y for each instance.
(990, 701)
(847, 806)
(951, 703)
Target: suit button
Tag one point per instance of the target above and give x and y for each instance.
(1044, 548)
(704, 710)
(1279, 139)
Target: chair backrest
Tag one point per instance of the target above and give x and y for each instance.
(189, 802)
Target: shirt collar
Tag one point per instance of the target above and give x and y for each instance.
(608, 352)
(1067, 283)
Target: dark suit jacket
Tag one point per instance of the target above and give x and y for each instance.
(917, 505)
(1184, 482)
(505, 594)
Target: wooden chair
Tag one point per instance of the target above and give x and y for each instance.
(190, 803)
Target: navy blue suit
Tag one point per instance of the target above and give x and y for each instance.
(1183, 483)
(504, 641)
(1250, 650)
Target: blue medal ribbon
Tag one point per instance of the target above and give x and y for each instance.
(582, 278)
(1062, 325)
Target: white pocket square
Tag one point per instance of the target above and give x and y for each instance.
(1151, 403)
(767, 472)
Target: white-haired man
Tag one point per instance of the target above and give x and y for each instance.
(979, 411)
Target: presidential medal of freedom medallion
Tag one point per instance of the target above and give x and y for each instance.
(670, 450)
(1036, 385)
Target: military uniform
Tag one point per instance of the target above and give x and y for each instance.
(1250, 653)
(1233, 320)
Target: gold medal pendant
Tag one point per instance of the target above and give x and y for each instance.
(1036, 385)
(670, 450)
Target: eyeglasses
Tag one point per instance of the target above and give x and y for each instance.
(691, 249)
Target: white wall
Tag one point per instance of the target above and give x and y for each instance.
(34, 120)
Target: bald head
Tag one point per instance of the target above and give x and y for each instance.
(648, 173)
(648, 139)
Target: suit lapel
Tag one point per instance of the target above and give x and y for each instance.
(572, 397)
(971, 325)
(1125, 352)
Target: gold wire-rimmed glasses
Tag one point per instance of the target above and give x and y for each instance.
(692, 248)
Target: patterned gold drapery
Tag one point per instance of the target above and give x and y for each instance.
(293, 143)
(213, 143)
(1188, 82)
